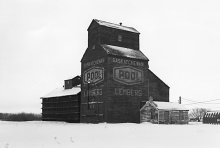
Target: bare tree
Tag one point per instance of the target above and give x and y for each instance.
(198, 113)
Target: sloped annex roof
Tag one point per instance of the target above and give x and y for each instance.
(58, 92)
(116, 26)
(166, 106)
(158, 77)
(125, 52)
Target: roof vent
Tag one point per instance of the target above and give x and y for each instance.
(120, 24)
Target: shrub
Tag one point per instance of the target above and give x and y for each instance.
(20, 117)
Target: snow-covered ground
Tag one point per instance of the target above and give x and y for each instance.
(39, 134)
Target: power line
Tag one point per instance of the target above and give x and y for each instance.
(208, 106)
(195, 102)
(203, 103)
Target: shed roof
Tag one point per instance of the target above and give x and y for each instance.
(125, 52)
(58, 92)
(116, 26)
(166, 105)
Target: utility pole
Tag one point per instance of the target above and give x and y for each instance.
(179, 100)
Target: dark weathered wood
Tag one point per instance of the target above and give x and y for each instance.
(117, 106)
(124, 99)
(124, 84)
(93, 91)
(64, 108)
(157, 88)
(110, 36)
(107, 35)
(168, 116)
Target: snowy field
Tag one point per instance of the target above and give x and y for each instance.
(39, 134)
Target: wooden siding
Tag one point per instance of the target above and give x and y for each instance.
(70, 83)
(211, 118)
(110, 36)
(124, 98)
(65, 108)
(151, 114)
(91, 55)
(93, 96)
(113, 90)
(158, 89)
(118, 102)
(115, 81)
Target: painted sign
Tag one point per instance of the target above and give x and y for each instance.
(93, 63)
(93, 92)
(93, 75)
(128, 92)
(125, 61)
(128, 75)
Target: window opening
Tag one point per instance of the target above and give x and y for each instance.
(181, 115)
(120, 38)
(93, 47)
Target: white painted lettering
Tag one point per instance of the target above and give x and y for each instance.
(127, 62)
(92, 63)
(128, 92)
(93, 92)
(128, 75)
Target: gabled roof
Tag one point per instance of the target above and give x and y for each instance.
(116, 26)
(58, 92)
(165, 105)
(124, 52)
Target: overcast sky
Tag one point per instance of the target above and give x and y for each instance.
(43, 41)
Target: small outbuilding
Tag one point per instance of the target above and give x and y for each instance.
(164, 112)
(211, 118)
(63, 104)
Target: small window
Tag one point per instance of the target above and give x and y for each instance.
(93, 47)
(181, 115)
(120, 38)
(166, 115)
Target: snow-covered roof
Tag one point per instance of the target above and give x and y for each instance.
(58, 92)
(211, 113)
(169, 106)
(69, 78)
(125, 52)
(72, 77)
(166, 105)
(116, 26)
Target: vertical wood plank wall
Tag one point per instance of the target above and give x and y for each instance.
(66, 108)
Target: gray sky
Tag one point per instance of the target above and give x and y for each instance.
(42, 42)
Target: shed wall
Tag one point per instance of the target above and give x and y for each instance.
(151, 114)
(64, 108)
